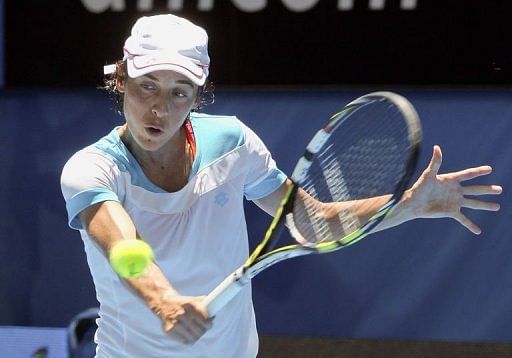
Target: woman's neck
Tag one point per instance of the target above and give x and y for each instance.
(168, 167)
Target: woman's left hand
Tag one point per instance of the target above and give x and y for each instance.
(442, 195)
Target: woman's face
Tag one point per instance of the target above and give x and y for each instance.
(156, 106)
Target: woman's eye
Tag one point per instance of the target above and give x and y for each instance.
(180, 94)
(147, 87)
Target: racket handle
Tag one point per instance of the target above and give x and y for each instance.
(225, 291)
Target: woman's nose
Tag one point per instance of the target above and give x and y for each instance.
(160, 108)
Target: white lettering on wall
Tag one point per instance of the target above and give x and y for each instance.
(377, 4)
(99, 6)
(205, 5)
(174, 5)
(347, 5)
(408, 4)
(144, 5)
(250, 5)
(299, 5)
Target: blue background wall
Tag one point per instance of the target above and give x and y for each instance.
(424, 280)
(2, 50)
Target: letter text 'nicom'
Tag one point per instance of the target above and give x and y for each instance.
(99, 6)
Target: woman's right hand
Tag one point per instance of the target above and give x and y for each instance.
(184, 317)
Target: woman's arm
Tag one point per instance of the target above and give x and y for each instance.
(182, 317)
(433, 195)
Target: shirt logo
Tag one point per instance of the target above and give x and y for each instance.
(221, 198)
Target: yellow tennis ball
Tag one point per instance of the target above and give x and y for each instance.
(130, 258)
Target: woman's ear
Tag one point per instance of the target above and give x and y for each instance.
(120, 85)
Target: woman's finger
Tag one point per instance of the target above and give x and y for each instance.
(482, 190)
(470, 173)
(435, 161)
(464, 221)
(480, 205)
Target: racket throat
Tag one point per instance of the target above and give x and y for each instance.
(226, 291)
(281, 223)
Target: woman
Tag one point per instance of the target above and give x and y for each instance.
(177, 179)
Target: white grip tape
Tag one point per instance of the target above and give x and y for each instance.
(300, 170)
(225, 291)
(315, 144)
(318, 141)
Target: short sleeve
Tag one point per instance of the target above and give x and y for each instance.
(263, 177)
(87, 178)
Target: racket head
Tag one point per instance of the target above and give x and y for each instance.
(360, 125)
(369, 149)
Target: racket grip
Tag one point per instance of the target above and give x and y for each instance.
(225, 291)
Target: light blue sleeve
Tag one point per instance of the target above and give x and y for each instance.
(83, 200)
(87, 178)
(270, 183)
(264, 177)
(218, 135)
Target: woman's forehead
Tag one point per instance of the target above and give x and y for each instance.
(168, 77)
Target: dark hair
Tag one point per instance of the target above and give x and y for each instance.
(206, 92)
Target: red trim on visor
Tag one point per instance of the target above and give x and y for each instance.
(132, 56)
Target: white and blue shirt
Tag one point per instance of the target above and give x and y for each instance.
(198, 234)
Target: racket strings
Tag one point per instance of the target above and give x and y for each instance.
(364, 158)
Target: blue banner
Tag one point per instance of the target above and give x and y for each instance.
(2, 48)
(425, 280)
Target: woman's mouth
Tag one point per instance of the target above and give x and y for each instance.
(153, 131)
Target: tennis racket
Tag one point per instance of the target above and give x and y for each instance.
(352, 173)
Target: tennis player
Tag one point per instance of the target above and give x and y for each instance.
(177, 178)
